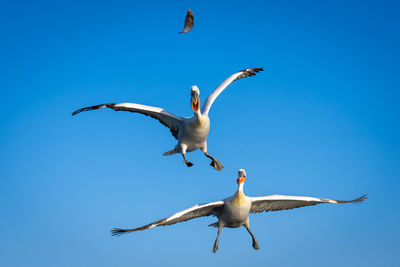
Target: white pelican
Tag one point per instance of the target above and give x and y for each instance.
(189, 22)
(234, 211)
(192, 132)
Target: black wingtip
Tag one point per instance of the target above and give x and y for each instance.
(357, 200)
(110, 105)
(75, 112)
(118, 232)
(362, 198)
(81, 109)
(252, 71)
(248, 73)
(257, 69)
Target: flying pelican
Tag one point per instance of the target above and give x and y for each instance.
(189, 22)
(234, 211)
(192, 132)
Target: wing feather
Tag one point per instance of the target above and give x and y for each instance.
(234, 77)
(169, 120)
(189, 22)
(280, 202)
(196, 211)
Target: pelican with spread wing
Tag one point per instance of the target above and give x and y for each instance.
(234, 211)
(191, 132)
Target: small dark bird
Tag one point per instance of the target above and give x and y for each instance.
(189, 22)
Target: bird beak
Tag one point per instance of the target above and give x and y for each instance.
(241, 179)
(195, 102)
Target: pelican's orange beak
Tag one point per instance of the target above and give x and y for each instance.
(195, 103)
(241, 179)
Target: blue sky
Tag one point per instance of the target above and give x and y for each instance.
(321, 120)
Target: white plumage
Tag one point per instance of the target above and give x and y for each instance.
(234, 211)
(191, 132)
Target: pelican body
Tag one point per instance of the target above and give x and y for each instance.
(191, 132)
(233, 212)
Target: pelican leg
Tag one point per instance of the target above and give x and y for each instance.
(188, 163)
(255, 244)
(215, 248)
(215, 163)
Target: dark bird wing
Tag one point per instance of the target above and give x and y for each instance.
(196, 211)
(238, 75)
(170, 120)
(189, 22)
(279, 202)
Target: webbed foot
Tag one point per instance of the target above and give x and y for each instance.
(215, 247)
(217, 165)
(188, 163)
(255, 245)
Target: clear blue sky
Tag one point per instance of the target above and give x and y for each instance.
(321, 120)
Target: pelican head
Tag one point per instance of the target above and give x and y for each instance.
(195, 100)
(241, 176)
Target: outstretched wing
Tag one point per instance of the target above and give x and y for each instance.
(196, 211)
(170, 120)
(279, 202)
(239, 75)
(189, 22)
